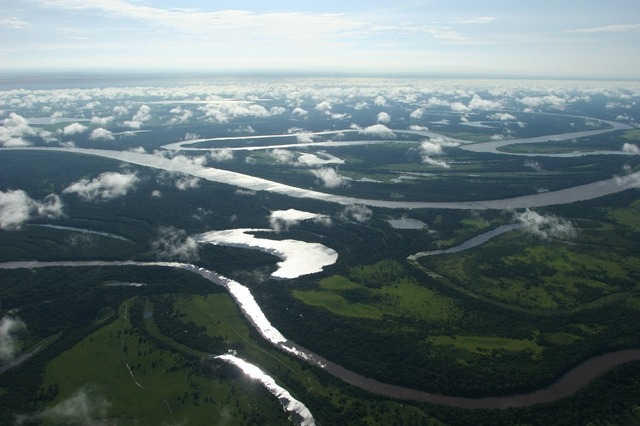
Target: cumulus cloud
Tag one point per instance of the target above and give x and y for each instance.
(139, 118)
(187, 182)
(433, 148)
(545, 226)
(384, 117)
(107, 186)
(223, 112)
(277, 110)
(299, 111)
(174, 244)
(9, 329)
(532, 164)
(419, 128)
(551, 101)
(459, 107)
(282, 220)
(380, 101)
(356, 212)
(304, 137)
(180, 115)
(101, 134)
(313, 160)
(630, 148)
(281, 156)
(501, 116)
(323, 106)
(100, 121)
(74, 129)
(16, 208)
(379, 130)
(14, 129)
(478, 103)
(329, 177)
(84, 407)
(417, 114)
(220, 155)
(120, 110)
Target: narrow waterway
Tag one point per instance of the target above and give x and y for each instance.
(568, 384)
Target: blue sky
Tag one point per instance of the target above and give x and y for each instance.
(560, 38)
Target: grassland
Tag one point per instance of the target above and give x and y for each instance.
(379, 290)
(129, 379)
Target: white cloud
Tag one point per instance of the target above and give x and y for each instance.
(174, 244)
(324, 106)
(383, 117)
(478, 103)
(277, 110)
(630, 148)
(181, 115)
(501, 116)
(379, 130)
(16, 208)
(74, 129)
(101, 121)
(101, 134)
(299, 111)
(304, 137)
(329, 177)
(618, 28)
(120, 110)
(14, 129)
(223, 112)
(459, 107)
(220, 155)
(313, 160)
(547, 226)
(82, 408)
(380, 101)
(357, 212)
(282, 220)
(139, 118)
(13, 22)
(417, 114)
(187, 182)
(431, 148)
(480, 20)
(281, 156)
(9, 327)
(419, 128)
(532, 164)
(552, 101)
(107, 186)
(156, 193)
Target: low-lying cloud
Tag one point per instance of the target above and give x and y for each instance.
(545, 226)
(174, 244)
(84, 407)
(356, 212)
(107, 186)
(329, 177)
(101, 134)
(378, 130)
(282, 220)
(10, 327)
(16, 208)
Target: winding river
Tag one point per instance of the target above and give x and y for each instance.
(568, 384)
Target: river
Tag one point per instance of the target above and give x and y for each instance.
(568, 384)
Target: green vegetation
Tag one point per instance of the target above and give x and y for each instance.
(485, 345)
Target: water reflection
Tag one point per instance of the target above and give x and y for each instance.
(299, 257)
(299, 413)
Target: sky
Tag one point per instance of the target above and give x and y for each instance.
(586, 39)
